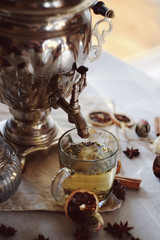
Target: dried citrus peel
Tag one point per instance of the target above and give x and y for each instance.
(100, 118)
(121, 119)
(79, 204)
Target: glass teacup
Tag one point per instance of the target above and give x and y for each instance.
(86, 164)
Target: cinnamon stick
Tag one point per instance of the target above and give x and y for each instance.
(157, 125)
(129, 182)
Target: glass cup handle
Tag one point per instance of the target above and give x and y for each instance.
(57, 190)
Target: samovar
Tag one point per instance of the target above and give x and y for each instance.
(43, 46)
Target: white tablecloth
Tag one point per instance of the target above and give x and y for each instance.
(137, 95)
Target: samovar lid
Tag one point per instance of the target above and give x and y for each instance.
(50, 7)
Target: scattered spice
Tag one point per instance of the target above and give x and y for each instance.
(157, 125)
(120, 230)
(156, 166)
(118, 190)
(82, 234)
(41, 237)
(7, 231)
(131, 152)
(126, 182)
(156, 171)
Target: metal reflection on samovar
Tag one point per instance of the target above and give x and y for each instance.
(43, 46)
(10, 171)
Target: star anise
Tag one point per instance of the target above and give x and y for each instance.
(133, 238)
(7, 231)
(118, 190)
(41, 237)
(82, 234)
(131, 152)
(119, 230)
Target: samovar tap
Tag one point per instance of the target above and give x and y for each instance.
(72, 108)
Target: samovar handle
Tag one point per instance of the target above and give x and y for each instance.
(100, 8)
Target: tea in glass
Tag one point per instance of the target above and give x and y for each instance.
(92, 161)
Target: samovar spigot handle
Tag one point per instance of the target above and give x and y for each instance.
(78, 87)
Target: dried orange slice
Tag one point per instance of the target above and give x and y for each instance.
(79, 204)
(119, 118)
(100, 119)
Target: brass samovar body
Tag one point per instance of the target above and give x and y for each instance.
(43, 45)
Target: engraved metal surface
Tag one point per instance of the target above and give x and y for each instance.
(49, 7)
(10, 171)
(39, 55)
(37, 60)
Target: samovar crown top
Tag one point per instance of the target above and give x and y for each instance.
(54, 7)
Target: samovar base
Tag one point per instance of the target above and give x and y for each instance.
(25, 142)
(24, 152)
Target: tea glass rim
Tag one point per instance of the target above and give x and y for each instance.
(95, 160)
